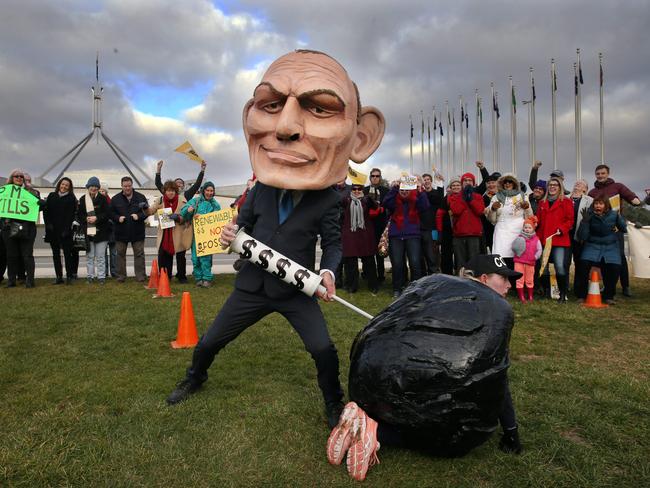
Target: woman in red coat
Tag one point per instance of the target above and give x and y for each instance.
(358, 239)
(555, 215)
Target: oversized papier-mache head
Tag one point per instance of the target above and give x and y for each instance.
(305, 122)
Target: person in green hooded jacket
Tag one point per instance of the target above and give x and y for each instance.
(203, 204)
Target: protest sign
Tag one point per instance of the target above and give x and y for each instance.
(408, 182)
(17, 203)
(639, 241)
(187, 149)
(164, 218)
(357, 177)
(207, 230)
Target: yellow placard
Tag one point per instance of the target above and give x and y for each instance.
(187, 149)
(356, 177)
(615, 202)
(207, 230)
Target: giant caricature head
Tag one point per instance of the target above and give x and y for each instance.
(304, 123)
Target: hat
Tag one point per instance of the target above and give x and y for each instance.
(490, 263)
(532, 220)
(494, 176)
(470, 176)
(557, 173)
(454, 179)
(355, 186)
(206, 185)
(93, 181)
(540, 184)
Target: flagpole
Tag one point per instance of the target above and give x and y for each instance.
(448, 138)
(579, 136)
(480, 127)
(533, 98)
(461, 164)
(495, 163)
(422, 139)
(453, 140)
(428, 143)
(435, 153)
(478, 139)
(466, 134)
(411, 145)
(528, 104)
(602, 110)
(441, 161)
(554, 112)
(513, 128)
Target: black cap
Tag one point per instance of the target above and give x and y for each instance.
(494, 176)
(490, 263)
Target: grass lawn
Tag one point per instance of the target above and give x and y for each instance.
(84, 372)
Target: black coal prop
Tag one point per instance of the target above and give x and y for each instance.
(433, 364)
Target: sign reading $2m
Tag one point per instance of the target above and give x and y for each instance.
(207, 230)
(17, 203)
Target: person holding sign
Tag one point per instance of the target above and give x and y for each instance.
(201, 205)
(303, 124)
(19, 208)
(174, 233)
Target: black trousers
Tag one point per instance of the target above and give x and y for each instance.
(181, 266)
(625, 273)
(430, 253)
(165, 261)
(3, 258)
(243, 309)
(351, 266)
(66, 246)
(447, 255)
(20, 259)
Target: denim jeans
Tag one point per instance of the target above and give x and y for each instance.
(399, 250)
(96, 252)
(557, 258)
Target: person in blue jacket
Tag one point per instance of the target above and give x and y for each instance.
(599, 231)
(203, 204)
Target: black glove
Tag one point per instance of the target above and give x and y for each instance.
(586, 215)
(468, 192)
(143, 205)
(175, 217)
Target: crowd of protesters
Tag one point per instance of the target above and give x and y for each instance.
(430, 227)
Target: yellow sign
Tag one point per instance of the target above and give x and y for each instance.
(207, 230)
(615, 202)
(187, 149)
(356, 177)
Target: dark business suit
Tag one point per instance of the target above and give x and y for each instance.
(258, 293)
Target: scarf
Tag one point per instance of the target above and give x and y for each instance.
(61, 195)
(356, 214)
(167, 243)
(398, 215)
(503, 194)
(526, 235)
(91, 229)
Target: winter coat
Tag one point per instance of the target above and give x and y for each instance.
(201, 207)
(601, 237)
(466, 216)
(428, 216)
(585, 202)
(130, 230)
(361, 242)
(58, 214)
(532, 252)
(508, 220)
(610, 189)
(410, 229)
(101, 209)
(182, 231)
(553, 217)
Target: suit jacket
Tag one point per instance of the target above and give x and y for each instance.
(317, 213)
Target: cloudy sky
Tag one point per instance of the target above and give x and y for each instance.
(173, 71)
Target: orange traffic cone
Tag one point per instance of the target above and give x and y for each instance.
(153, 277)
(593, 297)
(164, 290)
(187, 335)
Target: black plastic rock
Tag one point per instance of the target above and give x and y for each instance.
(432, 366)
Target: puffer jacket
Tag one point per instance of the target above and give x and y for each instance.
(601, 237)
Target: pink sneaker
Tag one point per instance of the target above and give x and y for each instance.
(341, 436)
(363, 451)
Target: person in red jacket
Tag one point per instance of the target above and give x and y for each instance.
(616, 192)
(555, 216)
(466, 208)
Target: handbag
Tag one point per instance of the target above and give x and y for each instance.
(18, 230)
(78, 239)
(382, 247)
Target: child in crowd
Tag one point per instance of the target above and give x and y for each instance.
(528, 249)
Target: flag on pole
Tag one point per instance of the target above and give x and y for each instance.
(429, 128)
(357, 177)
(601, 74)
(514, 100)
(448, 118)
(533, 86)
(575, 81)
(441, 132)
(582, 82)
(411, 129)
(435, 122)
(495, 106)
(466, 121)
(462, 114)
(187, 149)
(554, 80)
(453, 123)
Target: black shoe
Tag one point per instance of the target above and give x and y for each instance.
(68, 280)
(510, 443)
(182, 391)
(333, 411)
(29, 284)
(58, 281)
(182, 280)
(627, 292)
(11, 284)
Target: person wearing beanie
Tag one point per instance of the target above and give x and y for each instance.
(507, 210)
(466, 208)
(527, 249)
(200, 205)
(93, 216)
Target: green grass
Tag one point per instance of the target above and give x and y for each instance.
(84, 372)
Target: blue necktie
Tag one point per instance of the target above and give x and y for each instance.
(286, 206)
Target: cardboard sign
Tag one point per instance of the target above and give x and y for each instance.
(207, 230)
(356, 177)
(408, 182)
(615, 202)
(164, 218)
(17, 203)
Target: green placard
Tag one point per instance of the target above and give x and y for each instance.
(17, 203)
